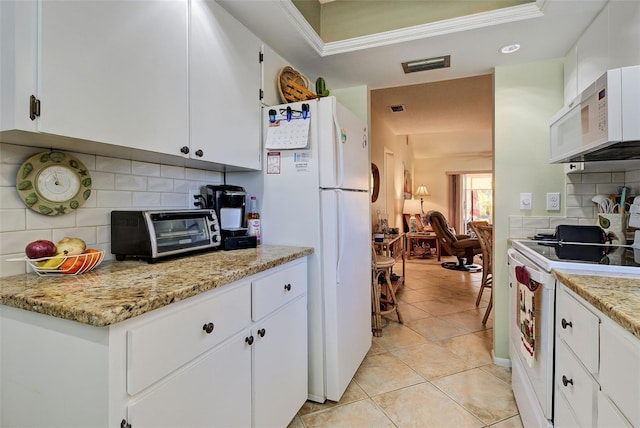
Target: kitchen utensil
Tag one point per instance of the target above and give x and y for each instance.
(602, 202)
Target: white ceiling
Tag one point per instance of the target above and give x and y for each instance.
(546, 29)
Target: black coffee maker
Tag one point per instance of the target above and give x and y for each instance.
(229, 202)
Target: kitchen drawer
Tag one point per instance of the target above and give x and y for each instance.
(609, 415)
(278, 288)
(563, 416)
(579, 328)
(620, 369)
(174, 338)
(580, 390)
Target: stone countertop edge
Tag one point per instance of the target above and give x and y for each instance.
(616, 297)
(116, 291)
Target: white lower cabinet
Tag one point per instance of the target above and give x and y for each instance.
(207, 361)
(280, 366)
(597, 376)
(214, 391)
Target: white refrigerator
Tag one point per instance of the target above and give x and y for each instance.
(318, 196)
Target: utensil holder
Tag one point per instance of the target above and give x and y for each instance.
(615, 226)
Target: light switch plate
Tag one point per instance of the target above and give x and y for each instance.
(525, 201)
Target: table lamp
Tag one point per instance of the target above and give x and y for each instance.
(411, 207)
(422, 192)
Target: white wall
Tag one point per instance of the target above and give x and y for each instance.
(381, 140)
(526, 96)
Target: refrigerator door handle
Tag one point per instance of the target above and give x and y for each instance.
(341, 225)
(339, 150)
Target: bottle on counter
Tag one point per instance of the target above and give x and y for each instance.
(253, 219)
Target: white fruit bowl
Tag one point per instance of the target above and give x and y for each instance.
(74, 265)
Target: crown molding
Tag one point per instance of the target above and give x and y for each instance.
(464, 23)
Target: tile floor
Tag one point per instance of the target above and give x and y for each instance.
(434, 371)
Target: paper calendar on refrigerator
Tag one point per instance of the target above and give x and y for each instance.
(288, 134)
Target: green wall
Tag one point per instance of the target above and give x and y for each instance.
(526, 96)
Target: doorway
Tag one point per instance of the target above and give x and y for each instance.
(476, 198)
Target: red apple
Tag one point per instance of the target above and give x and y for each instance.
(40, 248)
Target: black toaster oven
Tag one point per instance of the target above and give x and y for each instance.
(151, 235)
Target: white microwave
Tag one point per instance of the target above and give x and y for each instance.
(603, 123)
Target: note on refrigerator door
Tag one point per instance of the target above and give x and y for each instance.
(288, 134)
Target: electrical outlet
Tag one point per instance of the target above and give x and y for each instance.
(525, 201)
(553, 201)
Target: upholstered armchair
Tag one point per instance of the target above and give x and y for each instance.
(461, 246)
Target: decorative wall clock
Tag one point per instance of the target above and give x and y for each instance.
(53, 183)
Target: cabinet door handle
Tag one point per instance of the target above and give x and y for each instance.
(287, 287)
(199, 153)
(184, 150)
(262, 332)
(208, 327)
(566, 323)
(249, 340)
(124, 424)
(566, 381)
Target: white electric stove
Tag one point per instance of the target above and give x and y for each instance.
(532, 290)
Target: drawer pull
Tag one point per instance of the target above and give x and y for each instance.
(566, 323)
(249, 340)
(262, 332)
(208, 327)
(287, 287)
(566, 381)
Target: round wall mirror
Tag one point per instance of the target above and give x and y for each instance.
(375, 182)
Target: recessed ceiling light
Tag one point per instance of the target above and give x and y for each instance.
(510, 48)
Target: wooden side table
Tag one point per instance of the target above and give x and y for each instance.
(417, 238)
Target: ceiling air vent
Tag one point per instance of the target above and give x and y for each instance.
(427, 64)
(397, 109)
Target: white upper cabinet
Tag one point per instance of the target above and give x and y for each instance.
(593, 51)
(612, 40)
(224, 87)
(272, 65)
(115, 72)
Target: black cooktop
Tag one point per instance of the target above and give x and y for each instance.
(602, 254)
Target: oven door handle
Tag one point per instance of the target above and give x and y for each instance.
(534, 271)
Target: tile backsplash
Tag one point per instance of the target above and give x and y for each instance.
(117, 184)
(580, 209)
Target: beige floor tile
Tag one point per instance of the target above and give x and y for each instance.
(442, 306)
(470, 320)
(351, 394)
(424, 406)
(487, 397)
(362, 413)
(410, 312)
(296, 423)
(435, 328)
(431, 360)
(470, 347)
(412, 296)
(514, 422)
(502, 373)
(376, 348)
(396, 335)
(383, 373)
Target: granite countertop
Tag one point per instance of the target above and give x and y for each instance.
(116, 291)
(616, 297)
